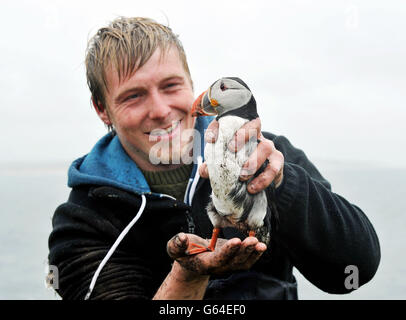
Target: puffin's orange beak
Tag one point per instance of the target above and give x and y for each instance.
(197, 108)
(204, 105)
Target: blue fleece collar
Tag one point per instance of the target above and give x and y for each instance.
(108, 164)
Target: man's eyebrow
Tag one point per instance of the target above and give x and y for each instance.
(172, 77)
(123, 94)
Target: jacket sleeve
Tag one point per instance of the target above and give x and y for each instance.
(78, 243)
(322, 232)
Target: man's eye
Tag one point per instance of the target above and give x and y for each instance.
(133, 96)
(171, 85)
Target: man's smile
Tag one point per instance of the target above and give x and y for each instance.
(165, 133)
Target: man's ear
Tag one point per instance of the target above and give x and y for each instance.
(101, 112)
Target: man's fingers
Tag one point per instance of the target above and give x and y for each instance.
(246, 249)
(260, 248)
(229, 250)
(177, 246)
(256, 159)
(203, 172)
(212, 131)
(229, 255)
(272, 172)
(251, 129)
(249, 252)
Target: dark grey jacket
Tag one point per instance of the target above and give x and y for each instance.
(315, 230)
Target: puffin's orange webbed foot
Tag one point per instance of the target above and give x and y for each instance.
(197, 248)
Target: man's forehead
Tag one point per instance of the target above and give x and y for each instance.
(117, 74)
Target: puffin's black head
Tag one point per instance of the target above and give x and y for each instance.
(229, 96)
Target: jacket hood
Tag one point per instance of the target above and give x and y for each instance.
(108, 164)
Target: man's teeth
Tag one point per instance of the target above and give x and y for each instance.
(162, 132)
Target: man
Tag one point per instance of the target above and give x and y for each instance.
(142, 89)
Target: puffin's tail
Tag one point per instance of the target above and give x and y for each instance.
(271, 220)
(264, 233)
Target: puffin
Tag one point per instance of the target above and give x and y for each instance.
(230, 204)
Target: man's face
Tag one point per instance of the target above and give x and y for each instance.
(153, 105)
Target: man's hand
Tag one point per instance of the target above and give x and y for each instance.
(265, 151)
(190, 274)
(229, 255)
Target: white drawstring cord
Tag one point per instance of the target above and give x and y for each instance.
(114, 247)
(195, 180)
(185, 198)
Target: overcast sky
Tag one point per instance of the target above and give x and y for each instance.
(329, 75)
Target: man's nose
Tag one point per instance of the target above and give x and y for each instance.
(158, 106)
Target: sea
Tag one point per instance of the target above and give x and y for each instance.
(30, 193)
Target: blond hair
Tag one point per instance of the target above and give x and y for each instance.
(126, 44)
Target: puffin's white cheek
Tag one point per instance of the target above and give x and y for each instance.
(234, 100)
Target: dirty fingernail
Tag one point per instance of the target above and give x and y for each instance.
(178, 241)
(263, 247)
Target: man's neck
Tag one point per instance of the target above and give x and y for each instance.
(148, 166)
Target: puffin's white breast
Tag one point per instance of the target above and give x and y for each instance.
(224, 166)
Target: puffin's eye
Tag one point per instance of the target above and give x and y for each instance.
(222, 86)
